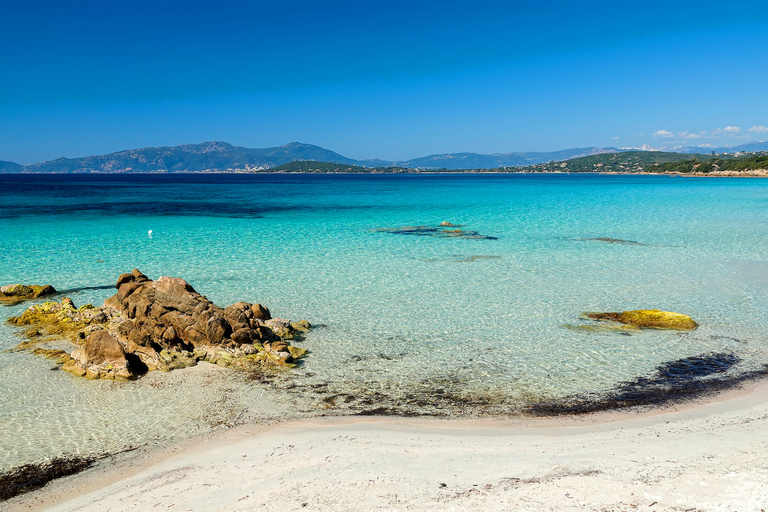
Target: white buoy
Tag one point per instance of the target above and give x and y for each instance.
(149, 233)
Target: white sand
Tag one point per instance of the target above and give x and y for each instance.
(711, 457)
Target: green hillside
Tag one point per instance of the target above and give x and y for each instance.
(628, 161)
(705, 166)
(311, 166)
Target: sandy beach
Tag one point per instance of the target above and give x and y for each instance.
(704, 456)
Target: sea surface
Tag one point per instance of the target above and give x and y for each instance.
(407, 321)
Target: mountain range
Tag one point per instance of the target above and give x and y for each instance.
(749, 147)
(223, 157)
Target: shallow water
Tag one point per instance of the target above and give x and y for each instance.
(405, 324)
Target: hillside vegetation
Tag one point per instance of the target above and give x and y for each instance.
(312, 166)
(698, 165)
(629, 161)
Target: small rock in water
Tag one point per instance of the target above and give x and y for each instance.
(653, 318)
(19, 292)
(436, 231)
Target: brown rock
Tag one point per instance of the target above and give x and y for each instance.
(217, 329)
(236, 317)
(169, 335)
(139, 277)
(260, 312)
(139, 306)
(112, 303)
(157, 311)
(126, 289)
(140, 335)
(174, 293)
(195, 337)
(179, 322)
(245, 307)
(244, 336)
(265, 334)
(167, 316)
(278, 346)
(124, 278)
(101, 347)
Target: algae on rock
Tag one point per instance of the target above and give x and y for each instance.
(21, 292)
(651, 318)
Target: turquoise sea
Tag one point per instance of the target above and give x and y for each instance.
(405, 322)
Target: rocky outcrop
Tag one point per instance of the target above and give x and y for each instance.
(652, 318)
(163, 324)
(19, 292)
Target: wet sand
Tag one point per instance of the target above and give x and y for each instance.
(709, 456)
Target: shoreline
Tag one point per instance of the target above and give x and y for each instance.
(753, 173)
(707, 454)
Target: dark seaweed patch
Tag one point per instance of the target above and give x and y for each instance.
(30, 477)
(436, 231)
(34, 476)
(674, 381)
(611, 241)
(85, 288)
(671, 382)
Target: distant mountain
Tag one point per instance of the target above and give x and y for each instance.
(495, 161)
(621, 162)
(749, 147)
(223, 157)
(208, 156)
(10, 167)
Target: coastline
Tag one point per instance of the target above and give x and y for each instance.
(754, 173)
(703, 455)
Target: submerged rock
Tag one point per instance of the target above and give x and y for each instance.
(163, 324)
(436, 231)
(612, 241)
(605, 328)
(19, 292)
(653, 318)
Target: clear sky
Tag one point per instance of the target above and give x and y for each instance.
(380, 79)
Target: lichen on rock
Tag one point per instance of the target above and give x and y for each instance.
(20, 292)
(162, 325)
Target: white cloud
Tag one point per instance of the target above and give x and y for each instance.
(617, 138)
(732, 130)
(759, 129)
(686, 135)
(663, 133)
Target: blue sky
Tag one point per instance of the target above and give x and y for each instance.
(380, 79)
